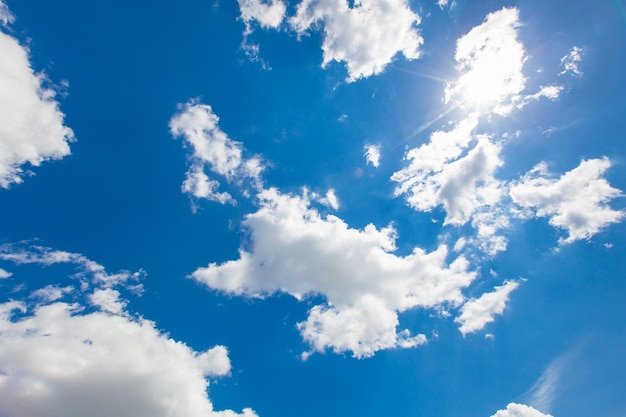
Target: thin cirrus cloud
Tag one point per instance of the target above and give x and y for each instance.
(366, 36)
(32, 128)
(298, 251)
(80, 352)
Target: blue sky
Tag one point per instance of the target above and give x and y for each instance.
(313, 208)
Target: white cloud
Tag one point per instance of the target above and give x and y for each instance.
(366, 36)
(372, 155)
(212, 149)
(576, 202)
(108, 300)
(454, 170)
(96, 273)
(269, 14)
(65, 359)
(32, 127)
(6, 16)
(519, 410)
(330, 200)
(297, 251)
(51, 293)
(56, 361)
(198, 184)
(490, 59)
(4, 274)
(477, 312)
(570, 62)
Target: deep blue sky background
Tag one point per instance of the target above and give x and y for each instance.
(117, 199)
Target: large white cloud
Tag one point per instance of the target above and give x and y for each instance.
(519, 410)
(212, 150)
(477, 312)
(577, 201)
(366, 36)
(90, 356)
(32, 127)
(298, 251)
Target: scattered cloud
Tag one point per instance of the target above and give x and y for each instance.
(6, 17)
(372, 155)
(365, 36)
(519, 410)
(477, 312)
(454, 170)
(91, 356)
(51, 293)
(212, 150)
(4, 274)
(329, 200)
(32, 127)
(297, 251)
(88, 270)
(576, 202)
(570, 62)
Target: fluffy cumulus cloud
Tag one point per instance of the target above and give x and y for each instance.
(32, 128)
(90, 356)
(455, 169)
(577, 201)
(519, 410)
(213, 151)
(298, 251)
(477, 312)
(365, 36)
(268, 14)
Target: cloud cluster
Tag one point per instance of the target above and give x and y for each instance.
(214, 151)
(456, 169)
(298, 251)
(372, 155)
(91, 357)
(365, 35)
(32, 128)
